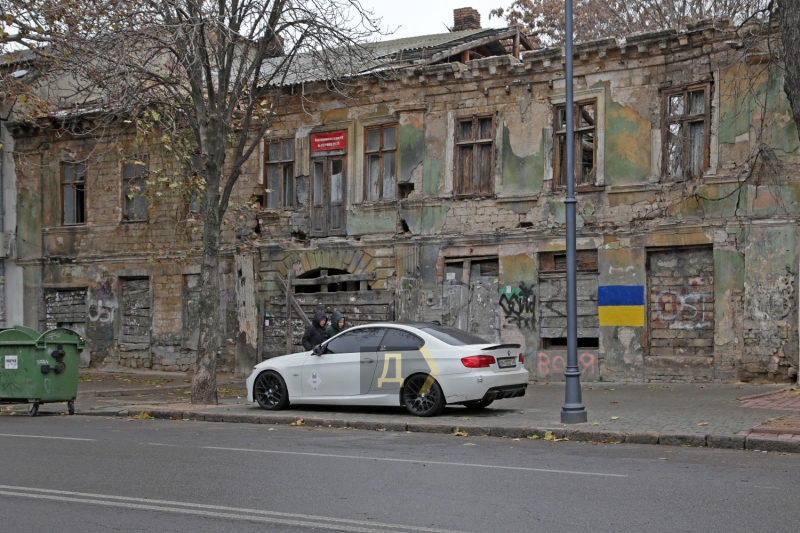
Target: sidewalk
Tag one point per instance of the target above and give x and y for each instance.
(762, 417)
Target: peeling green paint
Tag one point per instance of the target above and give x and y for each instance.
(372, 222)
(433, 218)
(745, 101)
(729, 271)
(521, 208)
(431, 176)
(411, 145)
(516, 268)
(768, 200)
(521, 173)
(558, 213)
(627, 143)
(727, 199)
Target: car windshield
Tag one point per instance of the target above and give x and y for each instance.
(453, 336)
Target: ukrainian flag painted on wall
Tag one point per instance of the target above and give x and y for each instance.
(620, 305)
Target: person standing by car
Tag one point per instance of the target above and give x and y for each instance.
(336, 324)
(316, 333)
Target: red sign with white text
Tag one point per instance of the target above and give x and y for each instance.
(333, 140)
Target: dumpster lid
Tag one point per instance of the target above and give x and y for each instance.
(19, 335)
(60, 336)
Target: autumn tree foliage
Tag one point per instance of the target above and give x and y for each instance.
(597, 19)
(200, 78)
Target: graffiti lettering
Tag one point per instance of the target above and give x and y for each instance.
(622, 270)
(684, 311)
(557, 364)
(97, 312)
(519, 306)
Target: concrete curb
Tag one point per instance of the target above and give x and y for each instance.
(111, 393)
(730, 442)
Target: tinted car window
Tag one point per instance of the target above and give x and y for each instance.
(400, 340)
(453, 336)
(356, 340)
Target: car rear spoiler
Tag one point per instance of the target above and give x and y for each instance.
(503, 346)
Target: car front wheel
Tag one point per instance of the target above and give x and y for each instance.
(422, 396)
(270, 391)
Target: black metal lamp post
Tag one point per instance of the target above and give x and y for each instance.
(573, 411)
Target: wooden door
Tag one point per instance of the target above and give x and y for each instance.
(328, 193)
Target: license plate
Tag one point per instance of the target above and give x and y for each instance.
(507, 362)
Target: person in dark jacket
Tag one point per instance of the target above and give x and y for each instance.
(336, 325)
(316, 333)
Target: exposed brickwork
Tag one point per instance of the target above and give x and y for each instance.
(466, 18)
(681, 313)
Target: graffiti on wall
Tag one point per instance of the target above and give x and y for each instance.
(553, 365)
(518, 305)
(101, 311)
(684, 311)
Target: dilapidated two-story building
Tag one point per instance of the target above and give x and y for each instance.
(434, 190)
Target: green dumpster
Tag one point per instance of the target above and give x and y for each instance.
(37, 369)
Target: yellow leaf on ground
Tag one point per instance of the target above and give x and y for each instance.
(614, 418)
(459, 433)
(298, 422)
(703, 424)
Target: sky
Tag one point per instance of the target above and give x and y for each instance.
(422, 17)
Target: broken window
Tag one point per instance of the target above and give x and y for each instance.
(380, 162)
(134, 173)
(66, 308)
(686, 131)
(331, 280)
(73, 187)
(474, 155)
(584, 118)
(553, 299)
(279, 167)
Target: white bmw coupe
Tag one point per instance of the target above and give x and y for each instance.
(423, 366)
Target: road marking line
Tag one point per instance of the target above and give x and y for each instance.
(42, 437)
(389, 459)
(164, 505)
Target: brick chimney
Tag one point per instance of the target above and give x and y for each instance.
(466, 18)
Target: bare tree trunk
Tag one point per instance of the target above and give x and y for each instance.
(789, 20)
(204, 382)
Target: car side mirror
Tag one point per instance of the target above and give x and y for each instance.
(317, 350)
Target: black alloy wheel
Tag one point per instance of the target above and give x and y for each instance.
(421, 398)
(270, 391)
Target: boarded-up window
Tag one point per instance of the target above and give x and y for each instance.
(73, 193)
(681, 293)
(134, 173)
(136, 314)
(470, 294)
(279, 167)
(380, 162)
(66, 309)
(553, 299)
(474, 155)
(686, 123)
(584, 118)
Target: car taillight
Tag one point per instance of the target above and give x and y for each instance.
(478, 361)
(521, 358)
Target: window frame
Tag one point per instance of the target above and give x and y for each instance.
(380, 151)
(666, 122)
(561, 138)
(143, 176)
(458, 190)
(73, 184)
(281, 164)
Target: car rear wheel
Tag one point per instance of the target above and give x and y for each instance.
(422, 396)
(270, 391)
(478, 404)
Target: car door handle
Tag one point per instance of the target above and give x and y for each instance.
(368, 360)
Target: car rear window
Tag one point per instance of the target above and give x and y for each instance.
(453, 336)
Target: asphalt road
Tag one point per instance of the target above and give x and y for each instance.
(87, 474)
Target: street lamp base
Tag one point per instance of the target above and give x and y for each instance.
(574, 417)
